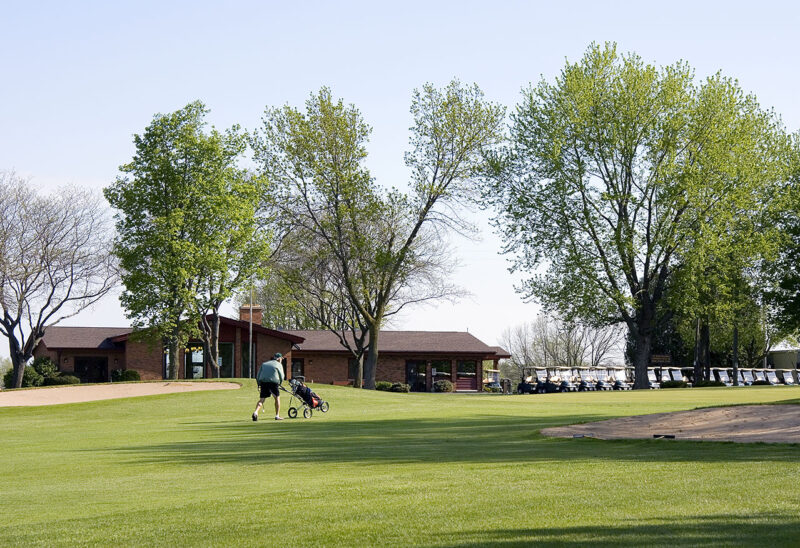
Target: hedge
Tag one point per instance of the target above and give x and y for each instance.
(674, 384)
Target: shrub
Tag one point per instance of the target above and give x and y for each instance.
(131, 375)
(702, 384)
(61, 379)
(399, 387)
(443, 385)
(383, 385)
(45, 367)
(674, 384)
(125, 375)
(30, 377)
(491, 389)
(761, 383)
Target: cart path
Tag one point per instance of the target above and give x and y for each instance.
(93, 392)
(744, 424)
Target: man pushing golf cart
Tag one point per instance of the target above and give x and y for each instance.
(270, 376)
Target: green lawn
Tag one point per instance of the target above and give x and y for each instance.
(387, 469)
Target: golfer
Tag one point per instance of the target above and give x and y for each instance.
(270, 376)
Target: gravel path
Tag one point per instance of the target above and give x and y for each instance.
(93, 392)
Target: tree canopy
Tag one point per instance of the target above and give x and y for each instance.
(187, 232)
(614, 171)
(381, 246)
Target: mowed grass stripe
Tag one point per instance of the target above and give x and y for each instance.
(386, 469)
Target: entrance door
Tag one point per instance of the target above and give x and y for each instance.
(416, 374)
(91, 369)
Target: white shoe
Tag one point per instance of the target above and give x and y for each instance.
(255, 416)
(278, 418)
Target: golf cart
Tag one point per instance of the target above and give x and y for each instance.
(527, 385)
(585, 382)
(565, 383)
(677, 375)
(620, 380)
(602, 380)
(723, 377)
(772, 377)
(546, 382)
(652, 380)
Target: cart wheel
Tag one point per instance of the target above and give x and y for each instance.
(307, 413)
(292, 412)
(324, 407)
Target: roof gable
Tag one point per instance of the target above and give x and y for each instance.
(83, 337)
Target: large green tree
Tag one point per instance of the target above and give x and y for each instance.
(614, 170)
(187, 232)
(384, 247)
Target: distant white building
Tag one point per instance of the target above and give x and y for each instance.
(784, 355)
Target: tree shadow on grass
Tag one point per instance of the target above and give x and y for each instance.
(494, 439)
(714, 530)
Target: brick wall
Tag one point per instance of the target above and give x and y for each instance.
(146, 357)
(40, 351)
(329, 367)
(267, 346)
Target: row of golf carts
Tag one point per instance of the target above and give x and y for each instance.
(561, 379)
(549, 380)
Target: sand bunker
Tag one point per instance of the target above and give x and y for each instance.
(85, 392)
(747, 423)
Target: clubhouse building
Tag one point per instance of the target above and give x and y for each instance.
(418, 358)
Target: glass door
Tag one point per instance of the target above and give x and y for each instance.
(226, 360)
(298, 369)
(194, 361)
(416, 373)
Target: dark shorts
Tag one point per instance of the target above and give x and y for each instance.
(268, 389)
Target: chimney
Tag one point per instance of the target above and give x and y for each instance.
(244, 313)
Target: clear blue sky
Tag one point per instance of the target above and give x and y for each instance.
(78, 79)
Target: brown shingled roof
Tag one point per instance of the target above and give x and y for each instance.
(82, 337)
(106, 337)
(429, 342)
(501, 352)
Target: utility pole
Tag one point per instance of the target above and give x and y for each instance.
(250, 339)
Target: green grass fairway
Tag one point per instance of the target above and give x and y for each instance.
(385, 469)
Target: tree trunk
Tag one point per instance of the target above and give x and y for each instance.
(641, 359)
(643, 340)
(705, 337)
(698, 362)
(371, 365)
(173, 353)
(19, 370)
(214, 350)
(735, 355)
(358, 382)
